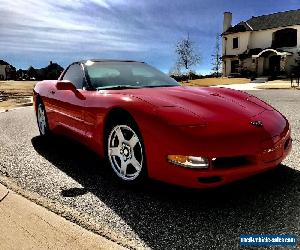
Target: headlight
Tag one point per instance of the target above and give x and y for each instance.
(189, 161)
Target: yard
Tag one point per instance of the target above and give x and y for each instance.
(15, 93)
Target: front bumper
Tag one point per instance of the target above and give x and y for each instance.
(217, 175)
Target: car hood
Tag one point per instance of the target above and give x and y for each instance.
(205, 103)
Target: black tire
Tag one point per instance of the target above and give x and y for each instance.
(131, 152)
(42, 119)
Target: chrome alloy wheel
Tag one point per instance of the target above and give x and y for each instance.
(41, 119)
(125, 152)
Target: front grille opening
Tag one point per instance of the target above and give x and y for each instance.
(230, 162)
(211, 179)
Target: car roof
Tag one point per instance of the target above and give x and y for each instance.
(106, 60)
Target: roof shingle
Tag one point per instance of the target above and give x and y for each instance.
(275, 20)
(3, 62)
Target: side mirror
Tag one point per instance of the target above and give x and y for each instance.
(65, 85)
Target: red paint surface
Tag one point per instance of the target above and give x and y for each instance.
(208, 122)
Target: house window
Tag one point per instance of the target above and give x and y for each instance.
(235, 42)
(284, 38)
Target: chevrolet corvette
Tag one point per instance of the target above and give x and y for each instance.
(146, 125)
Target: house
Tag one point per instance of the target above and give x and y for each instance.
(7, 71)
(3, 69)
(267, 45)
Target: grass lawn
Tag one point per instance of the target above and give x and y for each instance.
(216, 81)
(15, 93)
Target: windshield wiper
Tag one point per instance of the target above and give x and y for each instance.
(158, 86)
(118, 87)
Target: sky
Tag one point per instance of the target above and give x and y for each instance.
(35, 32)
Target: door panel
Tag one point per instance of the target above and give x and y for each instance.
(71, 103)
(72, 112)
(53, 106)
(95, 110)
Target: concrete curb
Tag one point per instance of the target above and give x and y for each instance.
(3, 192)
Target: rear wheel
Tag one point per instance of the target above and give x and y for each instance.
(125, 153)
(42, 120)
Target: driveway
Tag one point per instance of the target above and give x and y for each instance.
(71, 180)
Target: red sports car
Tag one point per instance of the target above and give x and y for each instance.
(147, 125)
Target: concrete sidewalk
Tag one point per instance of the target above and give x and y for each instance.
(26, 225)
(276, 84)
(243, 86)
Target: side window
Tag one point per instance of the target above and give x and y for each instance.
(235, 42)
(75, 75)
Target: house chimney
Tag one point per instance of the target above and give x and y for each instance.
(227, 21)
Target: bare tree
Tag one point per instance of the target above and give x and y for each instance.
(216, 58)
(187, 55)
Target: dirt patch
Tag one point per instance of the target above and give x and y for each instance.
(15, 94)
(216, 81)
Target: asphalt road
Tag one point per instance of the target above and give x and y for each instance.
(155, 215)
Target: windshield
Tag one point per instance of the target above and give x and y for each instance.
(105, 75)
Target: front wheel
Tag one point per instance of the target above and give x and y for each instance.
(42, 120)
(125, 153)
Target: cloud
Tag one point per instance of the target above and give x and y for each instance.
(35, 31)
(63, 24)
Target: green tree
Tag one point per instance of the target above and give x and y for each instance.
(31, 72)
(52, 71)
